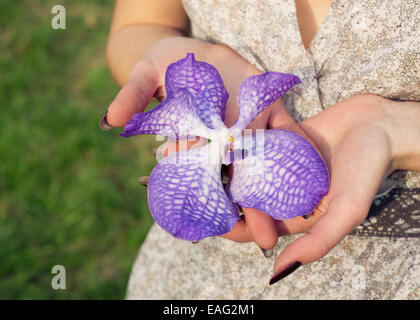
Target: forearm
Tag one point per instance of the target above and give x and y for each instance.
(128, 45)
(137, 25)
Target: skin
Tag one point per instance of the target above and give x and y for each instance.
(362, 139)
(310, 14)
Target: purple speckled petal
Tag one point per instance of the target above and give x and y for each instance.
(260, 91)
(186, 196)
(171, 118)
(196, 102)
(204, 84)
(287, 179)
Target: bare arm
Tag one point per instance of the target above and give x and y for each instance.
(137, 25)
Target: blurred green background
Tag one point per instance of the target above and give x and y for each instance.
(68, 191)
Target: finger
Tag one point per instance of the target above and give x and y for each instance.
(135, 95)
(240, 232)
(342, 216)
(279, 117)
(299, 224)
(262, 228)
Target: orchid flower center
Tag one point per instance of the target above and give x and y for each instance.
(226, 141)
(231, 140)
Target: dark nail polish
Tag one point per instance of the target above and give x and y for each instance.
(306, 216)
(103, 124)
(144, 180)
(195, 242)
(268, 253)
(283, 273)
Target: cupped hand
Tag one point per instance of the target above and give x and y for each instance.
(147, 78)
(360, 140)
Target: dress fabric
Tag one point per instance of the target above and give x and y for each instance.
(370, 46)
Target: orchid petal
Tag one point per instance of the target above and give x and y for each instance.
(196, 102)
(285, 179)
(205, 85)
(186, 196)
(258, 92)
(171, 118)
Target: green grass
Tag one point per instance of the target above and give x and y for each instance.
(68, 191)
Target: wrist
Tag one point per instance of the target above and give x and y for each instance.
(128, 45)
(403, 129)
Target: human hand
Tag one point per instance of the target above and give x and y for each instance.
(362, 139)
(147, 78)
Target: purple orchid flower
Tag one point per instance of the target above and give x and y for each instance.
(275, 171)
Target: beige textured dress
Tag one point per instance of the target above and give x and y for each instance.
(370, 46)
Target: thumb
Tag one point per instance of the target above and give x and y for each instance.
(135, 95)
(342, 216)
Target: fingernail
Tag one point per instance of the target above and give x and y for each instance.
(195, 242)
(103, 124)
(144, 180)
(283, 273)
(306, 216)
(268, 253)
